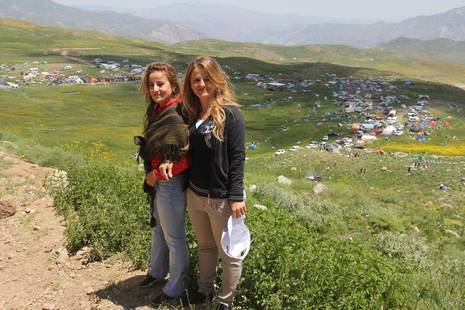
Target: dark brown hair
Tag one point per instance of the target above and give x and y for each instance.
(144, 87)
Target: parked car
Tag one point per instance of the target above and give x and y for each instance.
(333, 134)
(347, 140)
(312, 145)
(280, 152)
(294, 148)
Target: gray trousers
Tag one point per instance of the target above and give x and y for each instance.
(209, 217)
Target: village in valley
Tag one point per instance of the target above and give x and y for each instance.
(98, 71)
(363, 109)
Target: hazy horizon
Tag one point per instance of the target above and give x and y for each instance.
(356, 9)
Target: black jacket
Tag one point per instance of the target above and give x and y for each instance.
(226, 173)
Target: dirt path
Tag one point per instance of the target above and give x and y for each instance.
(36, 271)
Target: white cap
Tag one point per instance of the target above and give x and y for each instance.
(235, 239)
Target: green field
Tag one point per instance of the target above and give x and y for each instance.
(382, 236)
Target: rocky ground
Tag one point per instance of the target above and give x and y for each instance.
(36, 271)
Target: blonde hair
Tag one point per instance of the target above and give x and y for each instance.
(223, 95)
(144, 87)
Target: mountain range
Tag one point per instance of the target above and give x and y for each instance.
(46, 12)
(235, 24)
(183, 22)
(231, 23)
(448, 25)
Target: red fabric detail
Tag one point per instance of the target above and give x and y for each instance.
(179, 167)
(160, 108)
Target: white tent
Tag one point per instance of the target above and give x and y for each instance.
(389, 131)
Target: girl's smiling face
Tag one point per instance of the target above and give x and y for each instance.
(201, 85)
(159, 87)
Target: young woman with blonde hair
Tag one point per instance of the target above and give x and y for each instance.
(215, 187)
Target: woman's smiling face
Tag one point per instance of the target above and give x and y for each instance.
(201, 85)
(159, 87)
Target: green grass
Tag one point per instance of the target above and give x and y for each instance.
(98, 116)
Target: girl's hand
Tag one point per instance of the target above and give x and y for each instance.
(166, 170)
(151, 178)
(237, 208)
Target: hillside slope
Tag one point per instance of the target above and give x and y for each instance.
(439, 49)
(401, 65)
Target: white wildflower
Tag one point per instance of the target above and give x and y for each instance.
(58, 179)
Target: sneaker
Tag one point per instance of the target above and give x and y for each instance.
(222, 306)
(149, 281)
(200, 298)
(162, 298)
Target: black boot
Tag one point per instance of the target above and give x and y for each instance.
(224, 307)
(200, 298)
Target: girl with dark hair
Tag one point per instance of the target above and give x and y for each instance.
(166, 143)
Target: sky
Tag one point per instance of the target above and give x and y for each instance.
(368, 9)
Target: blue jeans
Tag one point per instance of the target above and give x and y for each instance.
(169, 252)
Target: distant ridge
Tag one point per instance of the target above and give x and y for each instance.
(439, 49)
(449, 25)
(50, 13)
(234, 24)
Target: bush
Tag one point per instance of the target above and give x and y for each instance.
(278, 197)
(106, 209)
(290, 267)
(395, 245)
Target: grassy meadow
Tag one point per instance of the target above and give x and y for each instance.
(383, 235)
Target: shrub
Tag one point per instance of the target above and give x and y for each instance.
(278, 197)
(395, 245)
(290, 267)
(105, 208)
